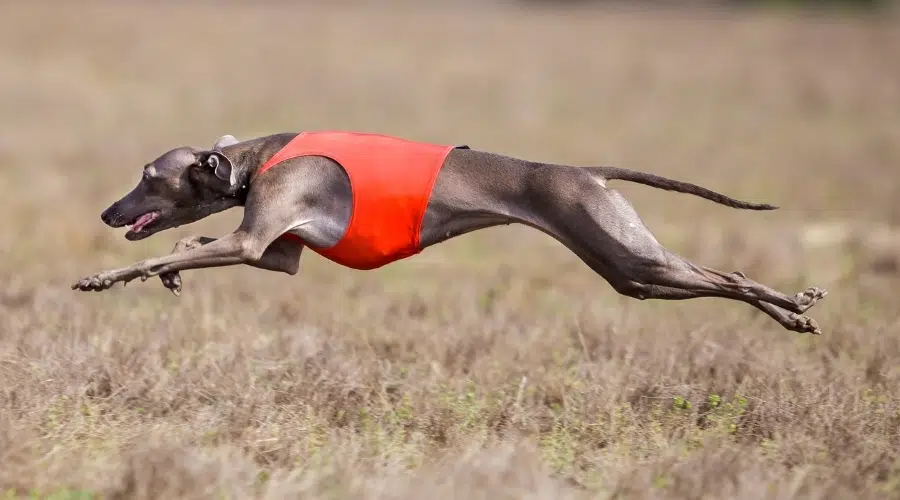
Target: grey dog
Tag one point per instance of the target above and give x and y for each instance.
(310, 197)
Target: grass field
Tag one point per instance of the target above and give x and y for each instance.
(496, 365)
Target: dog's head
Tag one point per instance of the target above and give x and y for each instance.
(182, 186)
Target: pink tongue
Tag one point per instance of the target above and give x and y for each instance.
(142, 221)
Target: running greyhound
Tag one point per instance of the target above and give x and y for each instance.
(366, 200)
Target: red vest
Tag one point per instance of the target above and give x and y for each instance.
(391, 180)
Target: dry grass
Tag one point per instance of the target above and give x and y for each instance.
(493, 366)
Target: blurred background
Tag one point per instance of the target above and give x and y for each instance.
(796, 104)
(792, 103)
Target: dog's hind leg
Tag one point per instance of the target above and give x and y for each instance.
(626, 286)
(601, 226)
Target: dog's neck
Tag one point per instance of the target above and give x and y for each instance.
(248, 157)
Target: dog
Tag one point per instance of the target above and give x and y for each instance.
(366, 200)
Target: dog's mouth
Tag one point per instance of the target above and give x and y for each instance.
(139, 225)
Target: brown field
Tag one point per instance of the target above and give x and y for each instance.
(496, 365)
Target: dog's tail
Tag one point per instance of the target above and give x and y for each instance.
(660, 182)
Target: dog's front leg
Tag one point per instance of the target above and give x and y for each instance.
(281, 256)
(233, 249)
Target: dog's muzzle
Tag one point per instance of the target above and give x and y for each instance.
(111, 217)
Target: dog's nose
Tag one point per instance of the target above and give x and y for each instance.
(105, 215)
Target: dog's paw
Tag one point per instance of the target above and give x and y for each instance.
(172, 281)
(187, 244)
(808, 298)
(804, 324)
(96, 283)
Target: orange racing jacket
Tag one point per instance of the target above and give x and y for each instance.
(391, 180)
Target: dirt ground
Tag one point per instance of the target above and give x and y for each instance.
(496, 365)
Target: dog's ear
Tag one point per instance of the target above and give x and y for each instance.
(220, 165)
(225, 141)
